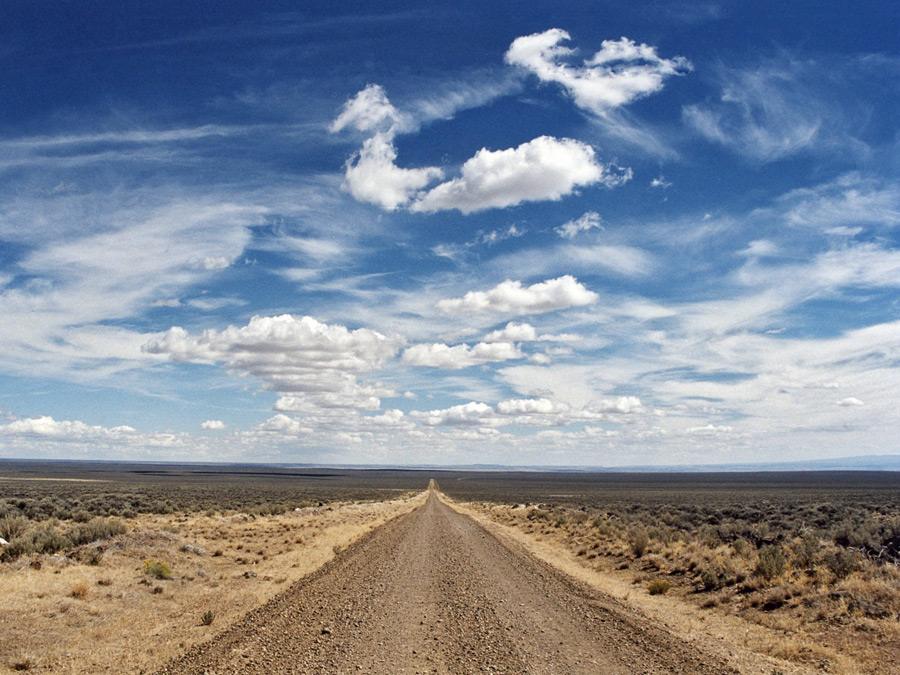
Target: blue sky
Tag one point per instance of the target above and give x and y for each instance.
(532, 234)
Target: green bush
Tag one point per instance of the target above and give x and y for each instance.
(157, 569)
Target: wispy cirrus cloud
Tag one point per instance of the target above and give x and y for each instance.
(770, 112)
(589, 221)
(461, 356)
(71, 287)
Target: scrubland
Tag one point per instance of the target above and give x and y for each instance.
(125, 591)
(114, 570)
(802, 572)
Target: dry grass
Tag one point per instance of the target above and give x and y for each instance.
(70, 617)
(774, 615)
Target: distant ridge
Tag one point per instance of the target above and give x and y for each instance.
(858, 463)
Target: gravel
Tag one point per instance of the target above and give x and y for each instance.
(433, 592)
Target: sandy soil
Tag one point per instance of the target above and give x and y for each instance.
(62, 616)
(434, 592)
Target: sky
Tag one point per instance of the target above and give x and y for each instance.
(520, 233)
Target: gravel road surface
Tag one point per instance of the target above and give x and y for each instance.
(433, 592)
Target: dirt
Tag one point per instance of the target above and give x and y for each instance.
(434, 592)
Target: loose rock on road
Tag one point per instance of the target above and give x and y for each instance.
(433, 592)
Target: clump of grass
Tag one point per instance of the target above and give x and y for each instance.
(80, 590)
(207, 617)
(639, 542)
(24, 662)
(659, 587)
(91, 556)
(158, 569)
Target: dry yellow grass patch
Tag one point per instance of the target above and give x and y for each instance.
(114, 617)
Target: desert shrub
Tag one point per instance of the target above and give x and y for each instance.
(12, 527)
(89, 556)
(710, 579)
(741, 547)
(841, 563)
(577, 517)
(771, 562)
(856, 534)
(41, 540)
(94, 531)
(207, 617)
(80, 590)
(539, 514)
(81, 516)
(660, 587)
(158, 569)
(806, 550)
(639, 542)
(774, 599)
(17, 547)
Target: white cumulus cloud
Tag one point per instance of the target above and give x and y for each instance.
(525, 332)
(369, 110)
(299, 357)
(545, 168)
(213, 425)
(374, 177)
(467, 414)
(74, 430)
(619, 73)
(511, 297)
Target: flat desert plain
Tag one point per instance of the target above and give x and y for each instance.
(186, 569)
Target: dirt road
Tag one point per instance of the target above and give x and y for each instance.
(433, 592)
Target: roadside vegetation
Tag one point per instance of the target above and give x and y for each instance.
(799, 560)
(121, 574)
